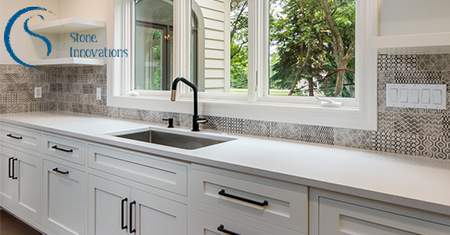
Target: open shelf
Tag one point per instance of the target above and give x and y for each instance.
(414, 43)
(67, 25)
(68, 61)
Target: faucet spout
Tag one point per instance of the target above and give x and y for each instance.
(196, 119)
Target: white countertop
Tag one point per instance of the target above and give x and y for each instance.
(404, 180)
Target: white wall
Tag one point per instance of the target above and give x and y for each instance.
(414, 17)
(89, 9)
(24, 45)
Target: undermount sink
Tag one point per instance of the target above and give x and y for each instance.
(173, 139)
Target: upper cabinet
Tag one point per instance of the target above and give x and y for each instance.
(413, 26)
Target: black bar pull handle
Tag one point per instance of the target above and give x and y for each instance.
(222, 229)
(132, 230)
(123, 213)
(60, 149)
(14, 137)
(13, 174)
(9, 167)
(222, 193)
(61, 172)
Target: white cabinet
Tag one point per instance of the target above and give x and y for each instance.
(24, 138)
(64, 199)
(108, 207)
(146, 169)
(157, 215)
(336, 214)
(253, 200)
(119, 209)
(20, 186)
(7, 184)
(203, 223)
(64, 148)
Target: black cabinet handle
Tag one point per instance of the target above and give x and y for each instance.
(61, 172)
(222, 229)
(123, 213)
(14, 137)
(222, 193)
(132, 230)
(13, 174)
(9, 167)
(60, 149)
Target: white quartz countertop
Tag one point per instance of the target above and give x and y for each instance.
(404, 180)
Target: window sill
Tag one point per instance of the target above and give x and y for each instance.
(308, 114)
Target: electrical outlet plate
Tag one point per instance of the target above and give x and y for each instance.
(429, 96)
(38, 92)
(99, 93)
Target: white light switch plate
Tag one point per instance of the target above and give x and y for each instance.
(429, 96)
(38, 92)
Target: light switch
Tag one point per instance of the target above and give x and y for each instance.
(437, 97)
(428, 96)
(414, 96)
(425, 96)
(404, 95)
(393, 95)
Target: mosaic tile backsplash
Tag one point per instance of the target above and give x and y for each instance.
(417, 132)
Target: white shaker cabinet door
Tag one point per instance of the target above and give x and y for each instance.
(340, 218)
(108, 207)
(64, 201)
(28, 174)
(154, 215)
(8, 185)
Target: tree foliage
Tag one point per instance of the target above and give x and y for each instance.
(309, 38)
(239, 46)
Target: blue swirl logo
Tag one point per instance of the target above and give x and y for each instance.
(7, 35)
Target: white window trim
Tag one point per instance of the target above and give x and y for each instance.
(358, 113)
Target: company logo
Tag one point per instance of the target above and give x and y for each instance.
(7, 34)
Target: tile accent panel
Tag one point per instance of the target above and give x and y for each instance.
(416, 132)
(17, 89)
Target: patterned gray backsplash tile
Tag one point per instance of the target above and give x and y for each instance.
(416, 132)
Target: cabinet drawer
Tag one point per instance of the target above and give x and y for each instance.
(203, 223)
(337, 217)
(20, 136)
(143, 168)
(280, 203)
(64, 148)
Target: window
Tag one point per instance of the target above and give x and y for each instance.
(153, 45)
(253, 59)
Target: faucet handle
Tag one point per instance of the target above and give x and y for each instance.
(170, 122)
(201, 120)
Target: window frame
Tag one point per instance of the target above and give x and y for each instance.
(357, 113)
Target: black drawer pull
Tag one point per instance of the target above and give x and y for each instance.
(222, 193)
(13, 174)
(9, 167)
(222, 229)
(14, 137)
(60, 149)
(123, 226)
(61, 172)
(132, 230)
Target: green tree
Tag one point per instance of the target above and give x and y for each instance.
(239, 46)
(310, 40)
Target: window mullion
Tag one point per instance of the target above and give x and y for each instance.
(252, 49)
(265, 53)
(181, 41)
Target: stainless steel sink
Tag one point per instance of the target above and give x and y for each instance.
(177, 140)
